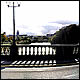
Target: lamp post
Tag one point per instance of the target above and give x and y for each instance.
(13, 48)
(14, 20)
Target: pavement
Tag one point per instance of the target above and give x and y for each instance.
(62, 72)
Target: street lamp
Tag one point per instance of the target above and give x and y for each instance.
(13, 19)
(13, 48)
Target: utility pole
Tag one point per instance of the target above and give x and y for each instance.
(14, 20)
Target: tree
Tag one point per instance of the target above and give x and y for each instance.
(66, 35)
(3, 37)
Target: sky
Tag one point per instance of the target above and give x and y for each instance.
(38, 17)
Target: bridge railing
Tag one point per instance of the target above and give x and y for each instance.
(38, 49)
(5, 49)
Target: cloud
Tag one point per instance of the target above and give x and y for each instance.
(54, 26)
(39, 18)
(41, 29)
(48, 28)
(30, 30)
(63, 22)
(51, 28)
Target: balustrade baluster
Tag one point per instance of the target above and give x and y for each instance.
(6, 52)
(9, 50)
(50, 50)
(23, 50)
(37, 50)
(27, 50)
(77, 50)
(44, 50)
(33, 50)
(54, 51)
(41, 50)
(30, 50)
(19, 50)
(74, 50)
(2, 50)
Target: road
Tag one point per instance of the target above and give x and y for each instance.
(63, 72)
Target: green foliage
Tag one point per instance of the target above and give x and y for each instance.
(68, 34)
(3, 38)
(18, 38)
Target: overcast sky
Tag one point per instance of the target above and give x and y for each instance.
(39, 17)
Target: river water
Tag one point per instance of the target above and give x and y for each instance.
(44, 43)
